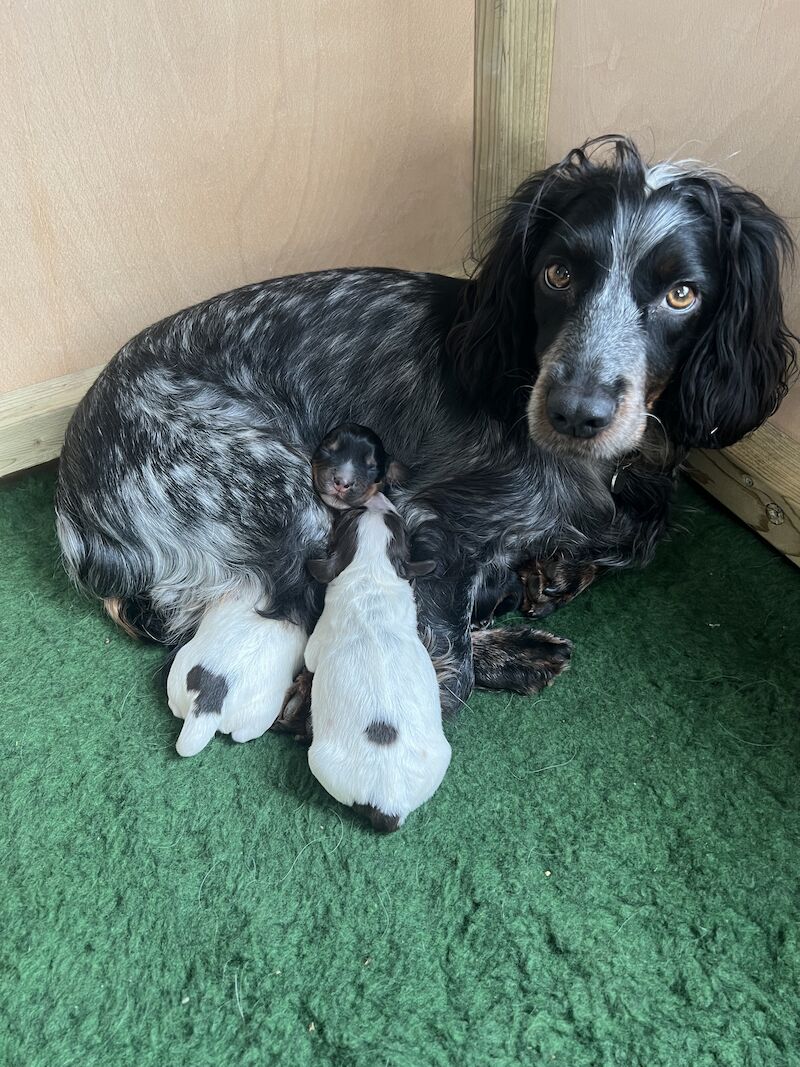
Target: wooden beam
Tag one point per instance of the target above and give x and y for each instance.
(33, 420)
(513, 61)
(759, 480)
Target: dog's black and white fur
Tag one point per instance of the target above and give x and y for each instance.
(519, 401)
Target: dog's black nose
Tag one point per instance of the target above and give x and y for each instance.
(578, 413)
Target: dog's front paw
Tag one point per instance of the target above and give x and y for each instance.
(519, 659)
(549, 585)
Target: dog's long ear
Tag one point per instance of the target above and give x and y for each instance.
(494, 329)
(492, 340)
(739, 371)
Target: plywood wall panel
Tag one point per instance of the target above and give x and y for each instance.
(154, 154)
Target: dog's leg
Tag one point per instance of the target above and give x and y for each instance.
(444, 610)
(550, 584)
(518, 659)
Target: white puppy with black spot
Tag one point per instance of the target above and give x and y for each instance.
(378, 743)
(232, 676)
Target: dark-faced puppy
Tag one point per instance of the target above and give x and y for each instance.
(349, 466)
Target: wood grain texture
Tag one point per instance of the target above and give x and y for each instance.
(33, 420)
(156, 154)
(513, 57)
(759, 480)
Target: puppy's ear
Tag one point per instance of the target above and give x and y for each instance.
(420, 568)
(322, 570)
(396, 473)
(739, 370)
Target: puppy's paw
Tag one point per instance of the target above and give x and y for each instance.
(295, 714)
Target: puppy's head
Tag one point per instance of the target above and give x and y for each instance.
(349, 466)
(616, 289)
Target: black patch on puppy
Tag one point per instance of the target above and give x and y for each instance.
(383, 823)
(400, 550)
(381, 733)
(344, 542)
(211, 690)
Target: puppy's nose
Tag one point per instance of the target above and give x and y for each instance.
(579, 413)
(341, 482)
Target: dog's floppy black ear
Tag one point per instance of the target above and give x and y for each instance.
(492, 339)
(494, 331)
(322, 570)
(739, 371)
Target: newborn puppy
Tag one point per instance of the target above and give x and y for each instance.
(349, 465)
(378, 742)
(231, 677)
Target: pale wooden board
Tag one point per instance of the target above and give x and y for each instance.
(33, 420)
(513, 58)
(154, 154)
(759, 480)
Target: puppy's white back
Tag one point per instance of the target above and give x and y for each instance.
(376, 714)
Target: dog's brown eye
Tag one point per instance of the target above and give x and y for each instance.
(680, 297)
(557, 276)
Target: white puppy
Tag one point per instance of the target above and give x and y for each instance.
(378, 742)
(233, 675)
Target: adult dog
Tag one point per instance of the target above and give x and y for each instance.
(621, 314)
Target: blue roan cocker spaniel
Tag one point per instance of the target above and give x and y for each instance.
(622, 313)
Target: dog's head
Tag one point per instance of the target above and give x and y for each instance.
(612, 289)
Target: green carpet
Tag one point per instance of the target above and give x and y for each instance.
(608, 875)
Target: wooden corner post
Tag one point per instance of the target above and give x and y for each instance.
(513, 61)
